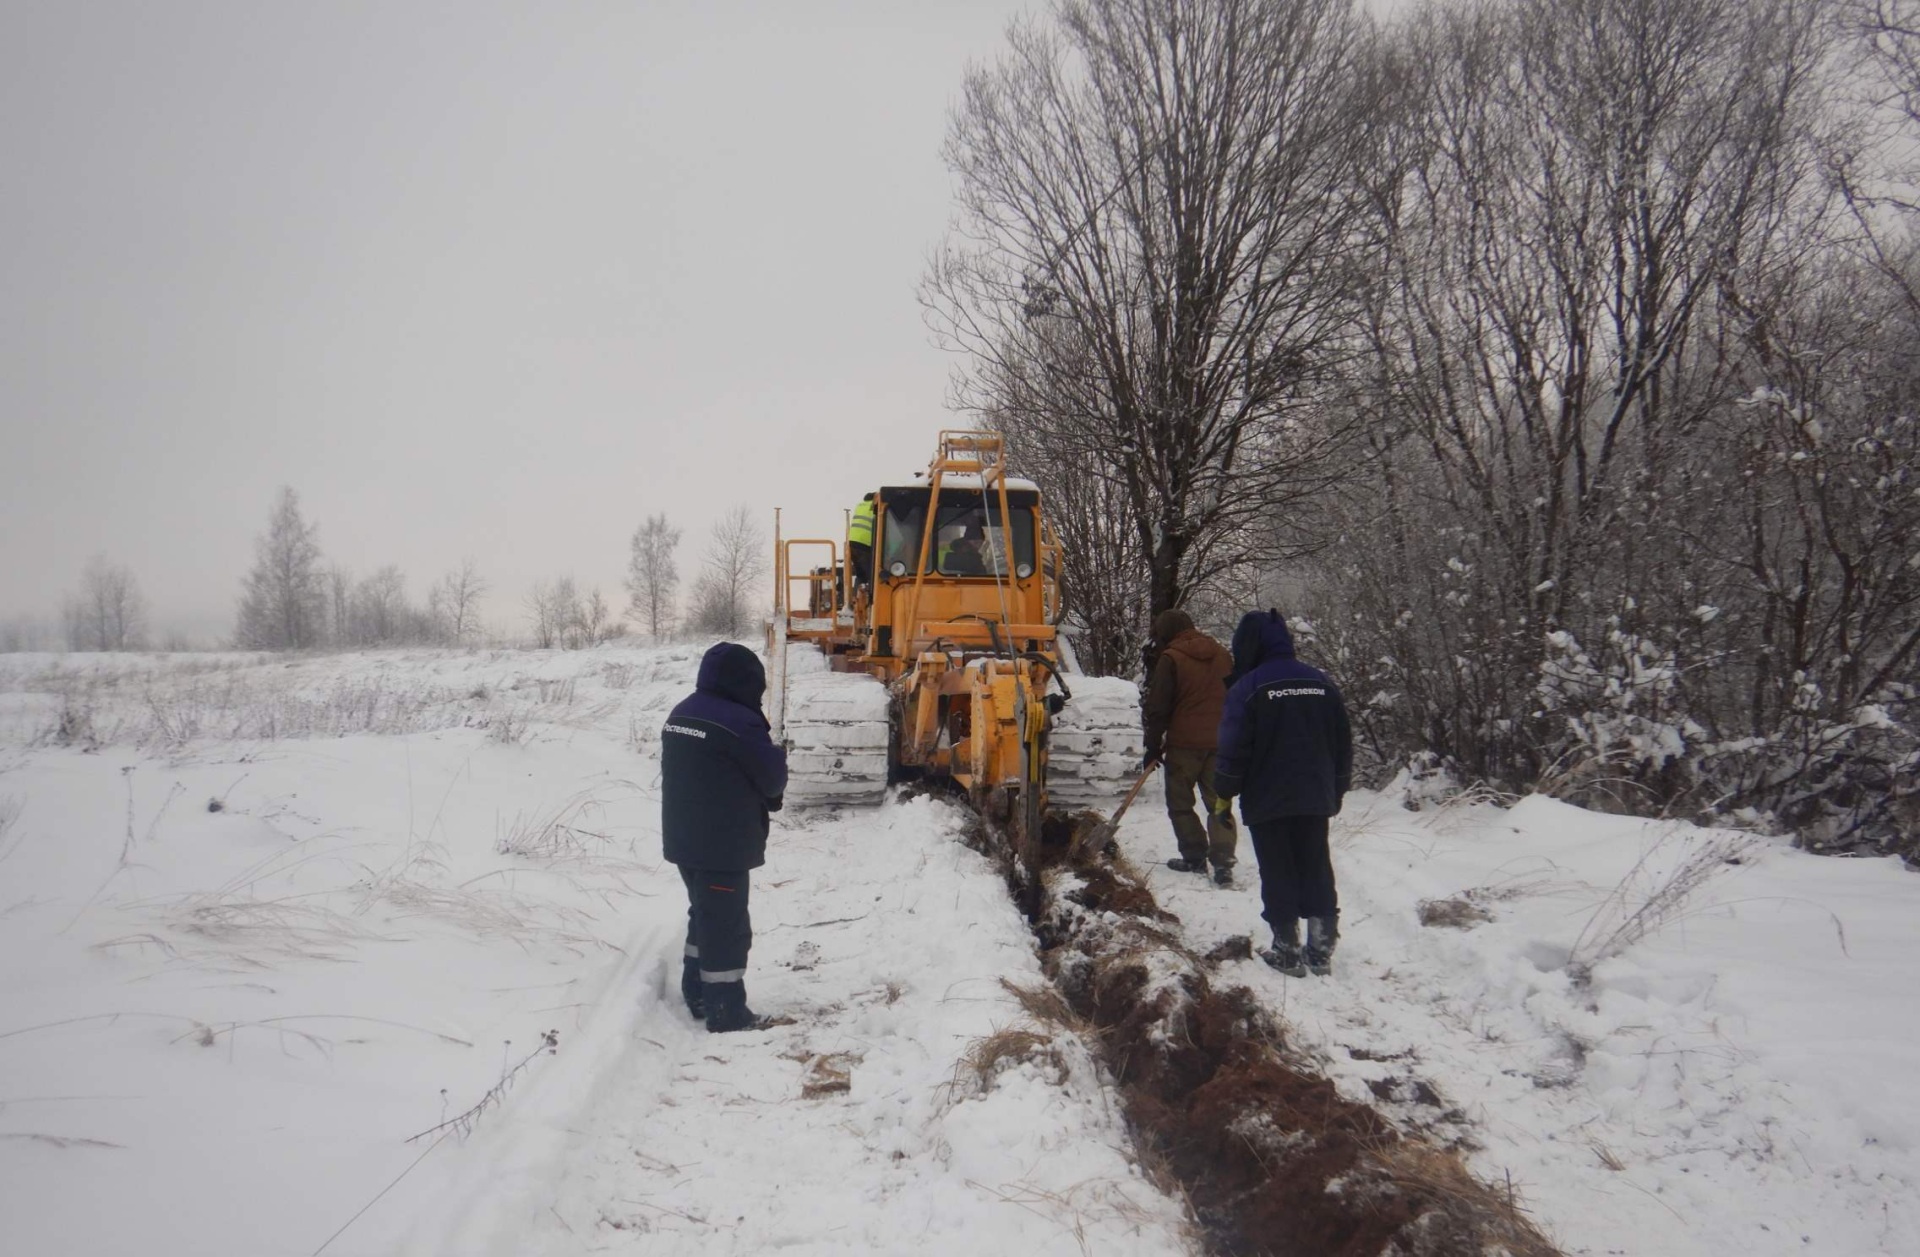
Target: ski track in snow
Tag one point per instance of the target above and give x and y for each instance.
(884, 938)
(228, 1023)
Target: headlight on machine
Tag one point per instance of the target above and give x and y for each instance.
(898, 569)
(1023, 571)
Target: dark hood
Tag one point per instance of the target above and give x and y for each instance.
(734, 673)
(1262, 635)
(1170, 624)
(1197, 646)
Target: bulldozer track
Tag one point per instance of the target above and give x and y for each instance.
(836, 730)
(1094, 747)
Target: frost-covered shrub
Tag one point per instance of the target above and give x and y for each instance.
(1622, 718)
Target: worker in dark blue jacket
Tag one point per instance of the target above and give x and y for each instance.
(720, 777)
(1286, 751)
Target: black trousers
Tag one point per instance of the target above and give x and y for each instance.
(1296, 870)
(719, 929)
(861, 555)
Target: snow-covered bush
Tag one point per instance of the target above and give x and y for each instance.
(1623, 724)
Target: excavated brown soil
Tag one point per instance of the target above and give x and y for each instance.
(1274, 1160)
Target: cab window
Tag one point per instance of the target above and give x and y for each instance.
(967, 537)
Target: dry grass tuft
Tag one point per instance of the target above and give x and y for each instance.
(829, 1074)
(571, 829)
(237, 929)
(1457, 913)
(1045, 1005)
(1648, 898)
(1467, 1214)
(976, 1071)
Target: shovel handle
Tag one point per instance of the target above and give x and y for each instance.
(1108, 828)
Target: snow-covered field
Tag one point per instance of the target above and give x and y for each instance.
(219, 1028)
(1740, 1080)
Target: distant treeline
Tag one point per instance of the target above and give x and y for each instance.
(292, 599)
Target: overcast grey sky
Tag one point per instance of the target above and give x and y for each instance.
(474, 277)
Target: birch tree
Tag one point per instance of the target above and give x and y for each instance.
(455, 602)
(282, 601)
(653, 576)
(733, 566)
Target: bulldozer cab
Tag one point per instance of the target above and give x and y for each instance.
(968, 537)
(963, 562)
(958, 569)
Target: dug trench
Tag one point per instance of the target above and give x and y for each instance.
(1271, 1157)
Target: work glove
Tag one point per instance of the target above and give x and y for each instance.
(1223, 807)
(1152, 758)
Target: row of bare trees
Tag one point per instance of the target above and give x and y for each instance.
(1555, 357)
(290, 600)
(108, 611)
(1637, 521)
(723, 602)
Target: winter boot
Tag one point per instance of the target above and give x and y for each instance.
(1322, 934)
(727, 1009)
(1180, 864)
(1223, 875)
(691, 989)
(1284, 955)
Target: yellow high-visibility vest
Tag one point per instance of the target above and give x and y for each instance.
(860, 529)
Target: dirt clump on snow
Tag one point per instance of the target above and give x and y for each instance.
(1273, 1158)
(1101, 889)
(1457, 913)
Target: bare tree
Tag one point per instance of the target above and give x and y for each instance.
(1159, 241)
(1878, 168)
(596, 622)
(455, 602)
(553, 609)
(337, 583)
(735, 562)
(1604, 214)
(381, 614)
(1894, 26)
(282, 601)
(652, 575)
(108, 612)
(1105, 563)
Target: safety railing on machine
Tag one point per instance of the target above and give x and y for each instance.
(813, 596)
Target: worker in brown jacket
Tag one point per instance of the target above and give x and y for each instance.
(1182, 715)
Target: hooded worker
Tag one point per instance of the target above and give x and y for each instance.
(1286, 751)
(720, 776)
(1181, 714)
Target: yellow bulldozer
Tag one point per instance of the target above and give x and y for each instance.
(948, 663)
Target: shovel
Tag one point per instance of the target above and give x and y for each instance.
(1100, 835)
